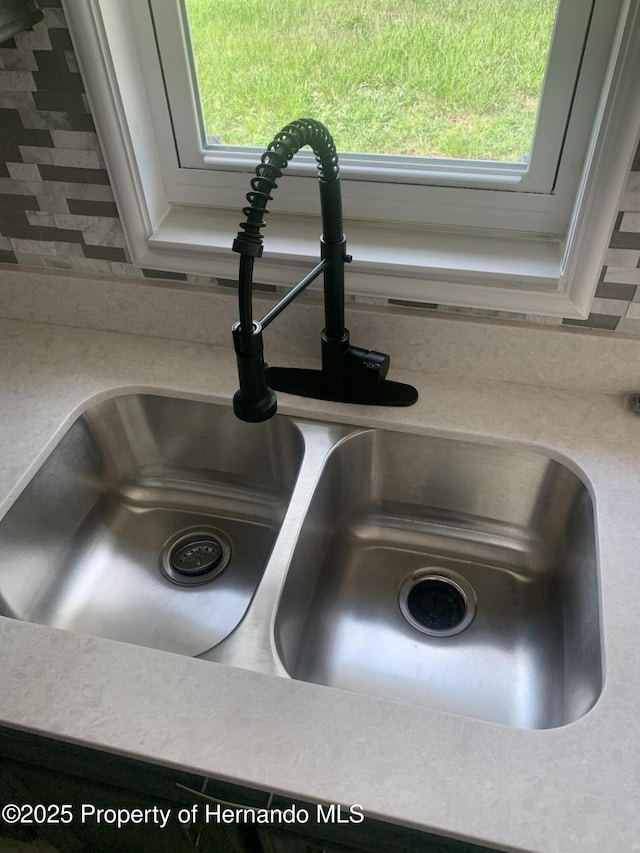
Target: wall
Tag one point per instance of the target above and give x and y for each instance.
(57, 209)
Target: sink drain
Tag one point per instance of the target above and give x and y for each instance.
(194, 557)
(437, 602)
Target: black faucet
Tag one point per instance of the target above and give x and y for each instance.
(349, 374)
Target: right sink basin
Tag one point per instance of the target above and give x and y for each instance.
(454, 575)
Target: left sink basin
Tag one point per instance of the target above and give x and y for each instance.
(151, 522)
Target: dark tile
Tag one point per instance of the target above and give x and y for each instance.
(625, 240)
(635, 166)
(19, 232)
(60, 39)
(10, 43)
(92, 208)
(14, 223)
(612, 290)
(7, 257)
(9, 118)
(49, 3)
(25, 136)
(72, 175)
(105, 253)
(9, 151)
(80, 121)
(51, 60)
(263, 288)
(175, 276)
(605, 322)
(11, 201)
(57, 81)
(618, 220)
(408, 303)
(59, 235)
(66, 102)
(4, 172)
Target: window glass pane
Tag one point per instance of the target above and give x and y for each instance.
(435, 78)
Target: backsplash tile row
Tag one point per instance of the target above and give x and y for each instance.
(57, 209)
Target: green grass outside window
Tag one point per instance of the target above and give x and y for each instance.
(443, 78)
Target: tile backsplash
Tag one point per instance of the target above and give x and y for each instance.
(57, 209)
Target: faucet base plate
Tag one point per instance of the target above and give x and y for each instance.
(310, 383)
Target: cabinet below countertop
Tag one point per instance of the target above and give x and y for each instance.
(74, 798)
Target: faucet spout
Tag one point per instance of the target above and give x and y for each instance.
(349, 374)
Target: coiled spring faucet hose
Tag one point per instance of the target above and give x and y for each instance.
(248, 243)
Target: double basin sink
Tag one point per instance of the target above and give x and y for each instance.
(459, 576)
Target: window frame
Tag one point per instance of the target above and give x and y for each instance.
(539, 271)
(538, 175)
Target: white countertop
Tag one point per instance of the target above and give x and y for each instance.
(572, 789)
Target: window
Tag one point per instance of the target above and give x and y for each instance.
(516, 236)
(535, 170)
(443, 78)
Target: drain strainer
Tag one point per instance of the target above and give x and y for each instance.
(437, 602)
(194, 557)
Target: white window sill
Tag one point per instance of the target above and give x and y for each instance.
(460, 269)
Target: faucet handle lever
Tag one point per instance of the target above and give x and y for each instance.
(344, 365)
(367, 366)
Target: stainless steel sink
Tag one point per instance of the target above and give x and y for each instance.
(140, 483)
(458, 576)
